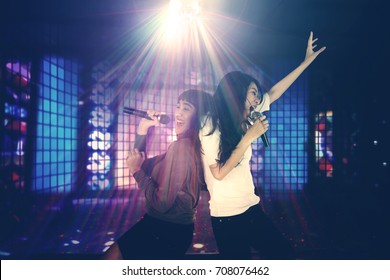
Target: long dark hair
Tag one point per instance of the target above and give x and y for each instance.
(229, 100)
(203, 103)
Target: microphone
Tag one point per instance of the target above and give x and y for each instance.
(163, 119)
(254, 116)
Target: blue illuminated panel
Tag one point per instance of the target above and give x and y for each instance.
(285, 165)
(56, 134)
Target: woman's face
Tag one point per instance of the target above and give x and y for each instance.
(184, 113)
(252, 98)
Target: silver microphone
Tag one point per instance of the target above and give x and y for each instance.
(252, 118)
(163, 119)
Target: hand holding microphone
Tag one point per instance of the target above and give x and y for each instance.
(259, 125)
(149, 119)
(162, 118)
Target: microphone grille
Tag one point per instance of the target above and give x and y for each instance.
(164, 119)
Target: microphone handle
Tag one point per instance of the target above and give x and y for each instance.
(136, 112)
(264, 138)
(163, 119)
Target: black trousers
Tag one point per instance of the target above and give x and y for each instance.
(151, 238)
(235, 235)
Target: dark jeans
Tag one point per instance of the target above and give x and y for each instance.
(235, 235)
(151, 238)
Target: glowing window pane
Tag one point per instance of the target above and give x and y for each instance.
(57, 149)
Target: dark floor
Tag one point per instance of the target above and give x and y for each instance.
(321, 222)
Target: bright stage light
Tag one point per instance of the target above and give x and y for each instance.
(184, 9)
(181, 16)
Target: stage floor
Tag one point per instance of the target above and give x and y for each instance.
(320, 224)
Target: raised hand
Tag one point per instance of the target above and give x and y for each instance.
(310, 53)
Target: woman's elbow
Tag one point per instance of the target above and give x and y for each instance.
(218, 176)
(217, 173)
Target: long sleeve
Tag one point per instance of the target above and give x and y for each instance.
(143, 177)
(173, 173)
(143, 180)
(140, 142)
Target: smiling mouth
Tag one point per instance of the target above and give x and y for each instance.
(179, 124)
